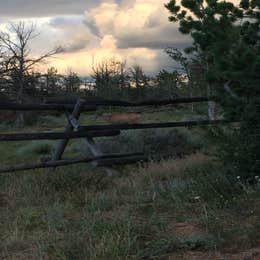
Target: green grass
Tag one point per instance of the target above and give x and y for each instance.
(152, 211)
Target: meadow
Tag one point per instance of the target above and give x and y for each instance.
(198, 195)
(182, 207)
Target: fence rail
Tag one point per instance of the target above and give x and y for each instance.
(112, 159)
(119, 103)
(90, 105)
(75, 130)
(103, 130)
(57, 135)
(154, 125)
(44, 107)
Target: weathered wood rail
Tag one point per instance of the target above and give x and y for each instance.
(153, 125)
(44, 107)
(57, 135)
(112, 159)
(103, 130)
(75, 130)
(119, 103)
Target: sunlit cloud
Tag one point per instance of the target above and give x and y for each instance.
(135, 31)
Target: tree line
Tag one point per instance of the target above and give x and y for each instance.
(21, 81)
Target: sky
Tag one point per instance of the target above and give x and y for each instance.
(90, 31)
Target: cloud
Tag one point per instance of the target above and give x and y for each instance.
(66, 21)
(90, 31)
(136, 24)
(72, 32)
(135, 31)
(40, 8)
(132, 31)
(91, 25)
(103, 17)
(108, 42)
(82, 62)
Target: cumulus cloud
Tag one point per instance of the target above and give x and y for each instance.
(73, 35)
(136, 23)
(135, 31)
(90, 31)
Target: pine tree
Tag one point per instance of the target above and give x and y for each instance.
(228, 39)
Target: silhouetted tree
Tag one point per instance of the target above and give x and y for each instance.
(110, 77)
(15, 44)
(138, 76)
(168, 84)
(52, 81)
(72, 82)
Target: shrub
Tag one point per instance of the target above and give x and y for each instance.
(36, 147)
(159, 142)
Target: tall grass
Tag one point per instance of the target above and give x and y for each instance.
(152, 211)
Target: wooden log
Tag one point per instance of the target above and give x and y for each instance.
(57, 135)
(43, 107)
(102, 130)
(151, 102)
(154, 125)
(90, 143)
(59, 163)
(69, 128)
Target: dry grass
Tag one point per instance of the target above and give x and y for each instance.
(171, 168)
(176, 209)
(148, 212)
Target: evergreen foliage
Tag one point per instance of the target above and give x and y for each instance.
(226, 38)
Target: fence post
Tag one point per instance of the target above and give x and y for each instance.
(90, 143)
(69, 128)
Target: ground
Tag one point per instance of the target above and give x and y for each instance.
(180, 208)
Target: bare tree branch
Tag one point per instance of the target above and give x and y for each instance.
(16, 59)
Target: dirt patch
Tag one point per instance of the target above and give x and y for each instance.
(189, 229)
(252, 254)
(184, 229)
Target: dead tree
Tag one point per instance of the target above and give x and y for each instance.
(15, 44)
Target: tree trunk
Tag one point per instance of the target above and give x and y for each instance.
(191, 95)
(20, 114)
(211, 106)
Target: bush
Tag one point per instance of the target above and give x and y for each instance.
(160, 143)
(239, 148)
(37, 147)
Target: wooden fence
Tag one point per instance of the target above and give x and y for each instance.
(74, 130)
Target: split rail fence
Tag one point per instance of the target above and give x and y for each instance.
(73, 130)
